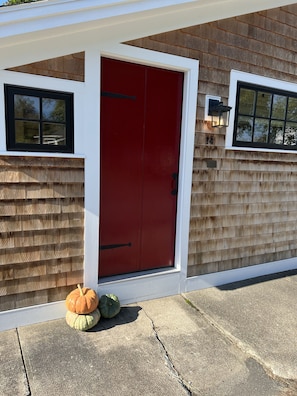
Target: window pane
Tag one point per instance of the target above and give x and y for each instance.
(290, 134)
(292, 109)
(54, 134)
(261, 130)
(53, 110)
(27, 132)
(246, 101)
(276, 132)
(263, 104)
(26, 107)
(39, 120)
(279, 107)
(244, 129)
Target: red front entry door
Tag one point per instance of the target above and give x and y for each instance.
(140, 137)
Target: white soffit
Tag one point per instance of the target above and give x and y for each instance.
(59, 24)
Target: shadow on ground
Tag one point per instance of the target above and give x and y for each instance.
(259, 279)
(126, 315)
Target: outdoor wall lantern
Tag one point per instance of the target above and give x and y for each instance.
(217, 113)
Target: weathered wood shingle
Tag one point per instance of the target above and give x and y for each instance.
(42, 229)
(243, 203)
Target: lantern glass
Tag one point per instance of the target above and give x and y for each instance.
(221, 120)
(219, 113)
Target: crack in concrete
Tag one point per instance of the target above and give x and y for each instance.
(26, 379)
(245, 349)
(168, 359)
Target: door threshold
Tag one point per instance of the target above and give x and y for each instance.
(141, 286)
(138, 274)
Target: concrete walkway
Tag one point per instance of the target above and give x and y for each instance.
(239, 339)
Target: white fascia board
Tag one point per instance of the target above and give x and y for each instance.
(57, 28)
(47, 15)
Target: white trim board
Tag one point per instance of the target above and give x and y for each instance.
(92, 171)
(141, 288)
(166, 284)
(31, 315)
(230, 276)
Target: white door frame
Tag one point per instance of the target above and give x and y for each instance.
(87, 145)
(148, 284)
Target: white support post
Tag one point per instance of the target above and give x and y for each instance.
(92, 160)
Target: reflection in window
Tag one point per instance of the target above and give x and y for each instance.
(261, 130)
(245, 129)
(290, 134)
(277, 132)
(265, 117)
(263, 104)
(26, 107)
(39, 120)
(292, 109)
(53, 110)
(279, 107)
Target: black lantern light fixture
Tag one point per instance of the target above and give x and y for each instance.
(219, 113)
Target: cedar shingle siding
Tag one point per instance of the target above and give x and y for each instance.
(243, 203)
(243, 210)
(41, 226)
(70, 67)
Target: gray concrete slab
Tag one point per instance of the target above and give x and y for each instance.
(204, 359)
(119, 357)
(239, 339)
(260, 316)
(13, 380)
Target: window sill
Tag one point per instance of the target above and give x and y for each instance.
(39, 154)
(263, 150)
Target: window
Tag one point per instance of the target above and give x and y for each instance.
(38, 120)
(265, 117)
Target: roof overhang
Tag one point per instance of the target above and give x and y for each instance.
(56, 26)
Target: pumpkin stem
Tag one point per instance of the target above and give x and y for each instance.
(80, 290)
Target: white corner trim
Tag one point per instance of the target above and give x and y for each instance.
(91, 128)
(31, 315)
(225, 277)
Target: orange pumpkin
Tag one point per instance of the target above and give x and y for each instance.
(82, 300)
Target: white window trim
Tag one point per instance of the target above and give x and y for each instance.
(236, 76)
(45, 83)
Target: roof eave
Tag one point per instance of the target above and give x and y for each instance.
(107, 22)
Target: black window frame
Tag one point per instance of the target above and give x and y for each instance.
(9, 93)
(270, 90)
